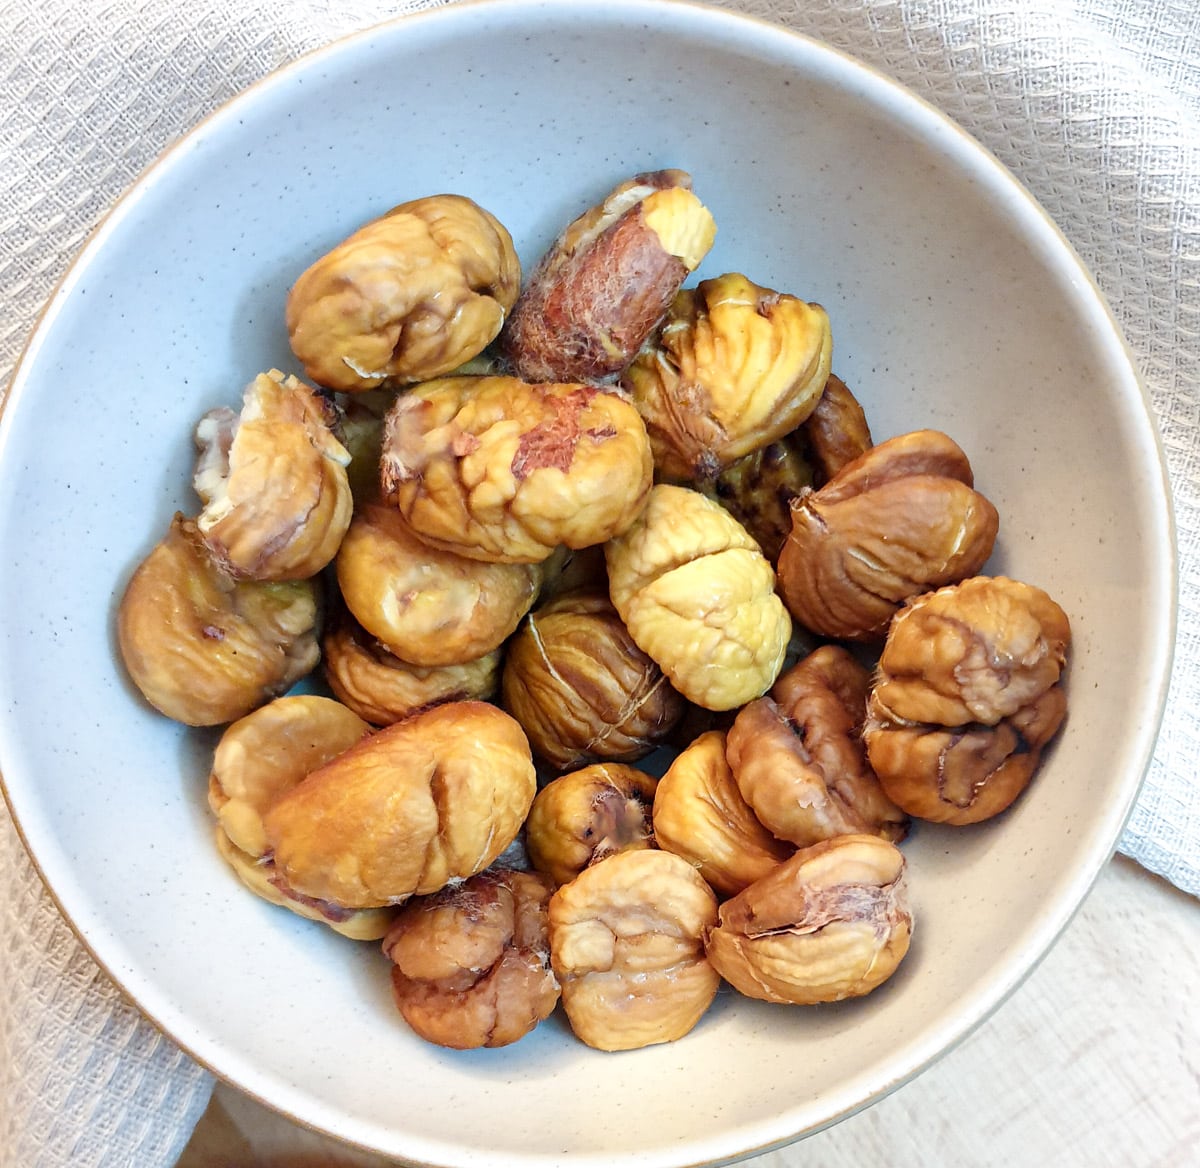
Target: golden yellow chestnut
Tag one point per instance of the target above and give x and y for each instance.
(732, 367)
(698, 597)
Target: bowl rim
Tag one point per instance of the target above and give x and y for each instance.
(706, 17)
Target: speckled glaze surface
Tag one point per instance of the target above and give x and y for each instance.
(954, 304)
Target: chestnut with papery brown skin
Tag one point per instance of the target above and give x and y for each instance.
(698, 597)
(582, 689)
(428, 606)
(273, 481)
(258, 759)
(586, 815)
(733, 367)
(471, 964)
(496, 469)
(205, 648)
(968, 692)
(798, 756)
(700, 815)
(382, 689)
(899, 520)
(831, 922)
(626, 943)
(597, 294)
(405, 811)
(409, 296)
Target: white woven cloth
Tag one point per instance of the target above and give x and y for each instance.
(1095, 104)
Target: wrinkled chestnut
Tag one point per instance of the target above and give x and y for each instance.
(586, 815)
(626, 942)
(497, 469)
(897, 521)
(831, 922)
(273, 482)
(968, 692)
(406, 810)
(698, 597)
(381, 688)
(471, 964)
(205, 648)
(409, 296)
(733, 367)
(580, 686)
(428, 606)
(798, 758)
(700, 814)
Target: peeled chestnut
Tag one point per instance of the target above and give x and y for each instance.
(968, 692)
(471, 964)
(698, 597)
(897, 521)
(406, 810)
(798, 758)
(205, 648)
(585, 815)
(733, 367)
(273, 481)
(583, 690)
(409, 296)
(700, 814)
(626, 942)
(498, 469)
(258, 759)
(382, 689)
(427, 606)
(831, 922)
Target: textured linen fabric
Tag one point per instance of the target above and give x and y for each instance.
(1094, 104)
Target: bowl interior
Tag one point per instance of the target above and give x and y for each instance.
(954, 303)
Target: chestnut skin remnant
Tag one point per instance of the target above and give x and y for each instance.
(598, 292)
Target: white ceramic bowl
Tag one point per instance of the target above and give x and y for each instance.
(955, 303)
